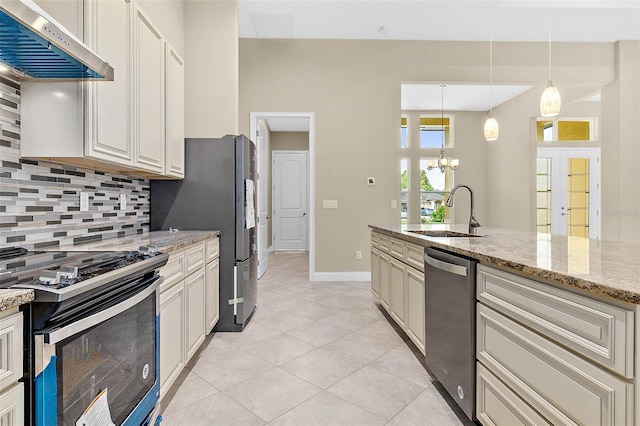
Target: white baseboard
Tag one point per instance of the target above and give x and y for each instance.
(341, 276)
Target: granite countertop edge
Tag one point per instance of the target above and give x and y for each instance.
(12, 298)
(565, 279)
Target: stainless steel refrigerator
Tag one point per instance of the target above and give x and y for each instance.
(218, 192)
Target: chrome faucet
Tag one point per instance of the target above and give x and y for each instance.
(473, 223)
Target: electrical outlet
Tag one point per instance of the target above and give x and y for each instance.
(123, 201)
(84, 201)
(394, 204)
(358, 255)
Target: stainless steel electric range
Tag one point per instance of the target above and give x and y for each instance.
(91, 334)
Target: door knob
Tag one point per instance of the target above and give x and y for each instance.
(303, 214)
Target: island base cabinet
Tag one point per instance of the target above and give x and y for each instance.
(172, 329)
(562, 387)
(385, 283)
(375, 272)
(212, 293)
(497, 405)
(415, 321)
(398, 293)
(195, 296)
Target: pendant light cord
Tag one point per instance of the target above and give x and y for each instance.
(491, 58)
(549, 25)
(442, 86)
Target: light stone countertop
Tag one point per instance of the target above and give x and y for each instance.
(607, 268)
(11, 298)
(166, 241)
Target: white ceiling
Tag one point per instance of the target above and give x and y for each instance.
(288, 124)
(513, 20)
(457, 97)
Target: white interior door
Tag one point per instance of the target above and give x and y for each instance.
(290, 188)
(568, 184)
(263, 191)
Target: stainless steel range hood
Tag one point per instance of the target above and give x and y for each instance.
(37, 47)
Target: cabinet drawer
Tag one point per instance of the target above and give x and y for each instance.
(384, 243)
(601, 332)
(414, 256)
(396, 248)
(194, 258)
(497, 405)
(173, 271)
(375, 240)
(212, 249)
(561, 386)
(10, 349)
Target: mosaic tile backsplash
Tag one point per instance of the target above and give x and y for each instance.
(40, 201)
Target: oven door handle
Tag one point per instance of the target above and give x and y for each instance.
(56, 336)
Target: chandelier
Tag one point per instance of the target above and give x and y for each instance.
(443, 162)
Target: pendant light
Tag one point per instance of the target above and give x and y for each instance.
(443, 162)
(491, 128)
(550, 101)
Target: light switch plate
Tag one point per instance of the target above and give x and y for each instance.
(394, 205)
(371, 181)
(329, 204)
(123, 201)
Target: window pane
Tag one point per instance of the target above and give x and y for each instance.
(404, 189)
(430, 138)
(543, 189)
(434, 190)
(431, 131)
(404, 140)
(565, 130)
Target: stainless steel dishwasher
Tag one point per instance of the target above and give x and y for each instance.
(450, 324)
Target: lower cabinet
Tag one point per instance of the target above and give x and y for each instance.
(189, 306)
(195, 295)
(399, 285)
(212, 294)
(172, 331)
(11, 347)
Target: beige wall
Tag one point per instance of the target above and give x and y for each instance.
(211, 68)
(353, 87)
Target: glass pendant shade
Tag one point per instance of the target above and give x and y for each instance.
(491, 129)
(550, 101)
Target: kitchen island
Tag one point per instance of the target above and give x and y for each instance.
(556, 319)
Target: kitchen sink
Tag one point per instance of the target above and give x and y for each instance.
(443, 233)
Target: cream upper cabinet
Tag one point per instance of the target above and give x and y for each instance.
(174, 113)
(149, 99)
(108, 104)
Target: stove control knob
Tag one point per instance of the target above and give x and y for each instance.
(50, 277)
(69, 272)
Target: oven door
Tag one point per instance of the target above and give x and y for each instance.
(108, 356)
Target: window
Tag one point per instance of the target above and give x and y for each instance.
(404, 134)
(431, 131)
(434, 190)
(566, 129)
(404, 189)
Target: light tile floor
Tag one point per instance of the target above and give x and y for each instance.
(315, 353)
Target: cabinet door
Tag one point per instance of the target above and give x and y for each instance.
(195, 294)
(149, 100)
(172, 335)
(415, 307)
(108, 110)
(375, 272)
(12, 406)
(10, 349)
(175, 113)
(212, 296)
(385, 270)
(396, 302)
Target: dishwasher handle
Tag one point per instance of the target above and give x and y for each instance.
(446, 266)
